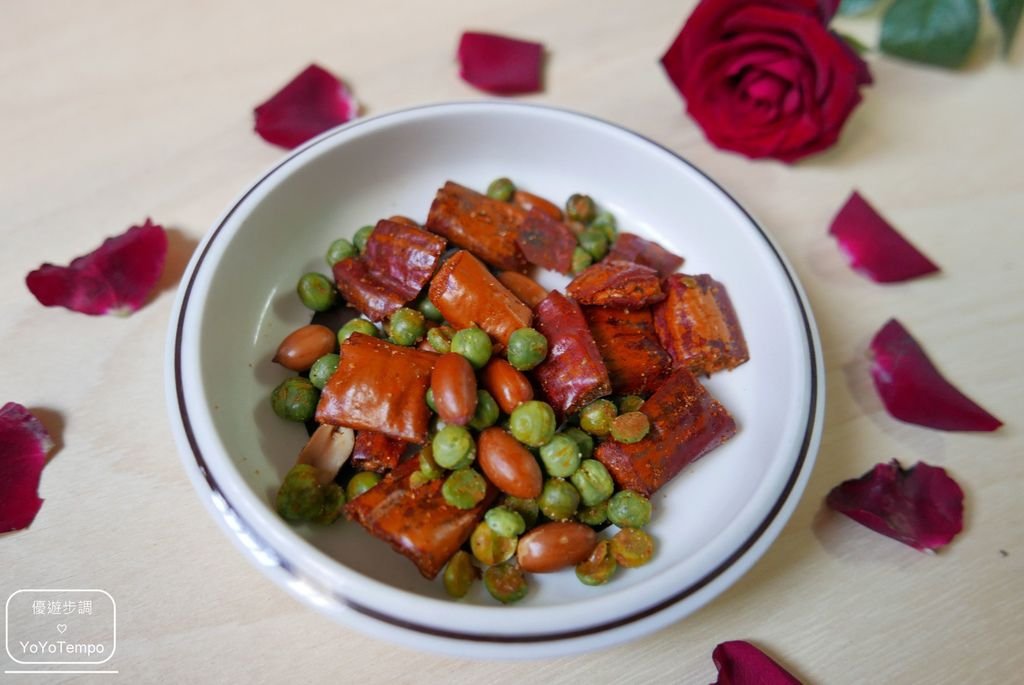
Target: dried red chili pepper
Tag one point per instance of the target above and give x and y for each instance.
(632, 248)
(546, 242)
(686, 423)
(417, 521)
(636, 362)
(697, 324)
(485, 227)
(364, 291)
(573, 374)
(374, 451)
(613, 283)
(402, 257)
(379, 387)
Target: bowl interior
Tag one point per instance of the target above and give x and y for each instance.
(247, 303)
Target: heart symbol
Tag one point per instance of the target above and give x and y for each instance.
(61, 627)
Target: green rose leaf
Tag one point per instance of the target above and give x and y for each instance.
(1007, 14)
(855, 7)
(939, 32)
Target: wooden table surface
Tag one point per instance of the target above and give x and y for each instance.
(117, 110)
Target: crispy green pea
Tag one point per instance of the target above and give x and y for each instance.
(595, 515)
(489, 547)
(527, 508)
(427, 309)
(559, 499)
(357, 326)
(583, 441)
(501, 189)
(464, 488)
(317, 292)
(360, 483)
(629, 509)
(595, 242)
(630, 427)
(295, 399)
(429, 398)
(453, 447)
(506, 582)
(340, 249)
(561, 456)
(605, 220)
(532, 423)
(406, 327)
(593, 482)
(581, 259)
(459, 574)
(440, 338)
(429, 467)
(474, 345)
(301, 497)
(505, 522)
(580, 208)
(334, 504)
(322, 370)
(599, 567)
(486, 413)
(630, 403)
(527, 348)
(632, 547)
(596, 417)
(360, 238)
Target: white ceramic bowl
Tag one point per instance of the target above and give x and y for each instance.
(237, 300)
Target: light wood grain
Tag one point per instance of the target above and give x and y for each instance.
(113, 111)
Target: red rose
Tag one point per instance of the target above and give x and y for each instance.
(766, 78)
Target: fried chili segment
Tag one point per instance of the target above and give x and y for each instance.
(697, 324)
(402, 257)
(546, 242)
(415, 519)
(375, 451)
(364, 291)
(24, 444)
(379, 387)
(740, 663)
(873, 247)
(613, 283)
(630, 247)
(636, 362)
(467, 294)
(913, 390)
(686, 423)
(573, 374)
(921, 506)
(475, 222)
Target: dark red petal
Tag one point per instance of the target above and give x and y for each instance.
(873, 247)
(24, 443)
(741, 663)
(921, 506)
(116, 277)
(500, 65)
(311, 103)
(913, 390)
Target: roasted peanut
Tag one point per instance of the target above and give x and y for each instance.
(305, 345)
(454, 386)
(525, 288)
(508, 464)
(554, 546)
(509, 387)
(530, 201)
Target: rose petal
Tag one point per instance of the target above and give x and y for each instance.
(913, 390)
(500, 65)
(873, 247)
(741, 663)
(24, 443)
(311, 103)
(116, 277)
(921, 506)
